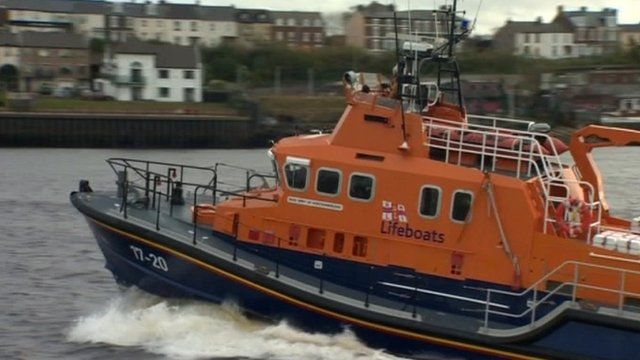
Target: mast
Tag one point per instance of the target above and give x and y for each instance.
(413, 55)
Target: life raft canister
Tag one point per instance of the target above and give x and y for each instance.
(573, 218)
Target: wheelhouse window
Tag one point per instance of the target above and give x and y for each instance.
(296, 176)
(430, 201)
(361, 187)
(328, 182)
(461, 206)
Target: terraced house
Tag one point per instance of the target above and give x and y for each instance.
(298, 28)
(44, 61)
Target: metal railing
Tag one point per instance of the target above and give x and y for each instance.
(163, 181)
(495, 142)
(576, 268)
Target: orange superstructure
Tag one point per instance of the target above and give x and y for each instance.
(461, 205)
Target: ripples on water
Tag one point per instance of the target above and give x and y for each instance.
(58, 302)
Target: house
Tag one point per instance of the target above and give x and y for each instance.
(595, 32)
(254, 26)
(181, 24)
(185, 24)
(536, 39)
(629, 35)
(79, 16)
(372, 26)
(43, 61)
(119, 20)
(136, 70)
(298, 28)
(9, 61)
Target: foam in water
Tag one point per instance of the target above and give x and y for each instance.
(192, 330)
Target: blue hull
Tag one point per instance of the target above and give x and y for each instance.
(168, 272)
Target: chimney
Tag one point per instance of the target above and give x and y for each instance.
(539, 19)
(583, 8)
(560, 9)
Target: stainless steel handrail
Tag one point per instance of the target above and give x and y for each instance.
(574, 284)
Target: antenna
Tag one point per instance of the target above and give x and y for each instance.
(404, 145)
(476, 17)
(453, 28)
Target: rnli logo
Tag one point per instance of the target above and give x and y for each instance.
(395, 222)
(391, 212)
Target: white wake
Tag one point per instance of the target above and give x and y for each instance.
(194, 330)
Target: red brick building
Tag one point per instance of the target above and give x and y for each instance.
(298, 28)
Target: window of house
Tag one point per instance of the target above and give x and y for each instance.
(65, 71)
(305, 37)
(194, 26)
(296, 176)
(430, 201)
(361, 187)
(279, 36)
(461, 206)
(280, 22)
(291, 35)
(188, 74)
(159, 23)
(318, 23)
(164, 92)
(144, 23)
(328, 182)
(163, 74)
(212, 26)
(318, 37)
(306, 22)
(176, 25)
(291, 22)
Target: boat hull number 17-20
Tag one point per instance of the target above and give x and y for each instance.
(156, 261)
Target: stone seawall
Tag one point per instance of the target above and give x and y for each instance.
(19, 129)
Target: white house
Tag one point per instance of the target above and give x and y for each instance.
(537, 39)
(136, 70)
(185, 24)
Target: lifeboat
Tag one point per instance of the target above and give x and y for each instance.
(413, 223)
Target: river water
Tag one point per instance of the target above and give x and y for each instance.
(58, 302)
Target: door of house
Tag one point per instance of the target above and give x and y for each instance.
(189, 95)
(136, 93)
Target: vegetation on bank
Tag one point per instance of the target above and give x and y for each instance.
(259, 65)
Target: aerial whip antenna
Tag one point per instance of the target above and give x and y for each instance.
(476, 17)
(404, 145)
